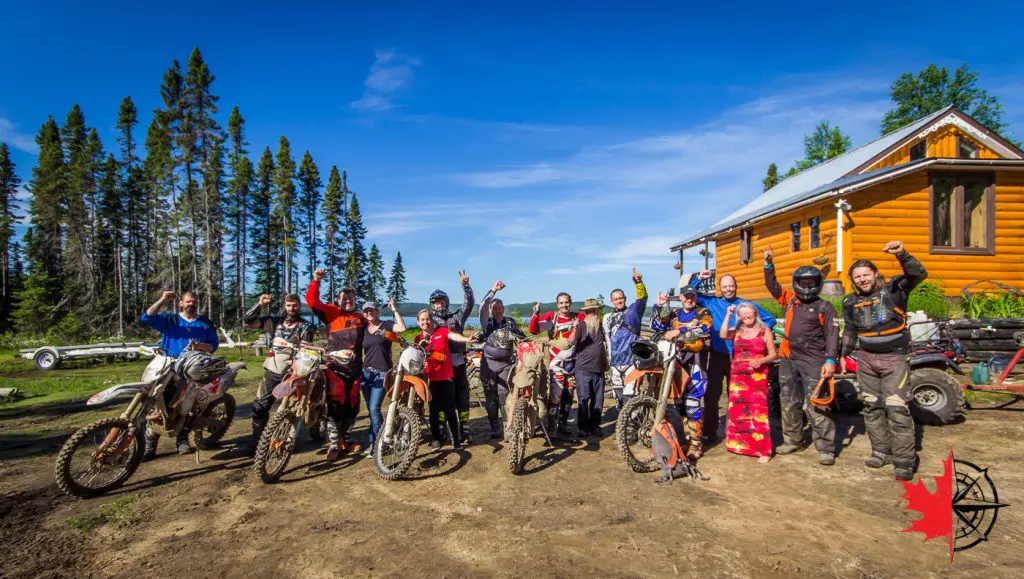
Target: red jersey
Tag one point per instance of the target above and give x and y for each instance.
(439, 360)
(345, 329)
(556, 325)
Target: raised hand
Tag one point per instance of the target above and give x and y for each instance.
(730, 310)
(498, 286)
(768, 255)
(463, 278)
(536, 308)
(662, 299)
(265, 300)
(392, 305)
(168, 296)
(893, 247)
(637, 276)
(705, 274)
(319, 274)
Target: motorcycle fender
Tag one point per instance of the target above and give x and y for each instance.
(286, 387)
(635, 374)
(417, 384)
(934, 360)
(117, 391)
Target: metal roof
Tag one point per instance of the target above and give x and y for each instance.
(828, 175)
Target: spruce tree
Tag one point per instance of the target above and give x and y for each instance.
(334, 214)
(47, 186)
(110, 243)
(77, 264)
(213, 246)
(377, 282)
(309, 201)
(263, 236)
(356, 271)
(284, 210)
(396, 281)
(772, 178)
(134, 202)
(237, 207)
(9, 215)
(170, 124)
(160, 266)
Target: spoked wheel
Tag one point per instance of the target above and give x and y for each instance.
(519, 437)
(275, 447)
(393, 457)
(218, 417)
(633, 433)
(98, 458)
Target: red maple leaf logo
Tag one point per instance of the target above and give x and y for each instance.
(936, 508)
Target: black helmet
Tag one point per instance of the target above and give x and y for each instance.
(810, 291)
(645, 354)
(439, 295)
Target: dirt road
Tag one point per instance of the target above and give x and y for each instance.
(576, 512)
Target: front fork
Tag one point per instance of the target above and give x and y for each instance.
(389, 417)
(113, 436)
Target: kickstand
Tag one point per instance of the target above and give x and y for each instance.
(544, 429)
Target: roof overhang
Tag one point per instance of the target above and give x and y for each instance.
(894, 173)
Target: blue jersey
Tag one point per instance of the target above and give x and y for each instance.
(176, 331)
(718, 307)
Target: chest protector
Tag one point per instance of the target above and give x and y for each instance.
(879, 322)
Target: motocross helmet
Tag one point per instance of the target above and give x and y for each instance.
(645, 354)
(199, 366)
(438, 295)
(807, 282)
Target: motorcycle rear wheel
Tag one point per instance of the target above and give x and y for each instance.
(224, 412)
(519, 438)
(393, 458)
(275, 447)
(119, 466)
(633, 433)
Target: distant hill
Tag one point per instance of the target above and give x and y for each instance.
(523, 309)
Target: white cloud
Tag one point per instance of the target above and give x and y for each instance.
(391, 72)
(18, 140)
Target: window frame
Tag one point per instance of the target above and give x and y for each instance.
(923, 145)
(794, 236)
(960, 140)
(814, 233)
(957, 209)
(746, 245)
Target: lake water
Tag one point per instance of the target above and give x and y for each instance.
(472, 321)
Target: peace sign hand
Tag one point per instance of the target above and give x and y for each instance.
(463, 278)
(662, 299)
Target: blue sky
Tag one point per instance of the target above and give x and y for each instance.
(552, 145)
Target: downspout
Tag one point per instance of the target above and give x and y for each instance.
(842, 206)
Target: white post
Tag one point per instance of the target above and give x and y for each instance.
(841, 206)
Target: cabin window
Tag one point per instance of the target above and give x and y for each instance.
(965, 149)
(962, 211)
(919, 151)
(746, 244)
(814, 223)
(794, 228)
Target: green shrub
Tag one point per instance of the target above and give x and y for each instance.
(929, 297)
(69, 330)
(772, 307)
(1003, 305)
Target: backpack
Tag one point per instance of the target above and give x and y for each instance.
(667, 452)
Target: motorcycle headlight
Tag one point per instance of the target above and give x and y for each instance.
(154, 369)
(303, 364)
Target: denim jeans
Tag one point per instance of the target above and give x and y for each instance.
(373, 393)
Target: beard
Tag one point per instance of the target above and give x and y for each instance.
(192, 311)
(593, 323)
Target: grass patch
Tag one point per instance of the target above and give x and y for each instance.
(119, 512)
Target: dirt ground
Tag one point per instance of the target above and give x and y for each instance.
(577, 511)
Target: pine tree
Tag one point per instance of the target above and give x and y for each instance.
(77, 265)
(160, 268)
(356, 273)
(284, 204)
(826, 142)
(213, 246)
(309, 201)
(237, 208)
(263, 235)
(110, 243)
(772, 178)
(9, 206)
(170, 123)
(134, 202)
(334, 214)
(47, 186)
(377, 282)
(396, 281)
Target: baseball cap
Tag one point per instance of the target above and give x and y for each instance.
(687, 290)
(369, 306)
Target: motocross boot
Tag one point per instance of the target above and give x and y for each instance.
(151, 439)
(492, 419)
(182, 443)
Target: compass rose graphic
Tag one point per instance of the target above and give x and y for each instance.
(963, 508)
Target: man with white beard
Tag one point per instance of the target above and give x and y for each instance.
(588, 345)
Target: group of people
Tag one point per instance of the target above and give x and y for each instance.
(724, 341)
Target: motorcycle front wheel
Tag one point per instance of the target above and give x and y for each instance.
(633, 433)
(98, 458)
(519, 437)
(275, 447)
(393, 455)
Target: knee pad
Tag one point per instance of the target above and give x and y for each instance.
(895, 401)
(901, 410)
(693, 409)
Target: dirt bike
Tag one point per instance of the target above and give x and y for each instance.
(303, 396)
(408, 389)
(102, 456)
(661, 378)
(525, 415)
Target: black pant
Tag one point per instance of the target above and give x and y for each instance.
(494, 376)
(461, 401)
(442, 399)
(719, 370)
(264, 401)
(590, 391)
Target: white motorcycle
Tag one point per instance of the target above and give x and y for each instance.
(102, 456)
(399, 436)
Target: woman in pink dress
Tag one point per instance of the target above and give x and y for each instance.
(748, 431)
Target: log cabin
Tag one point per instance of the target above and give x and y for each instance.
(948, 187)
